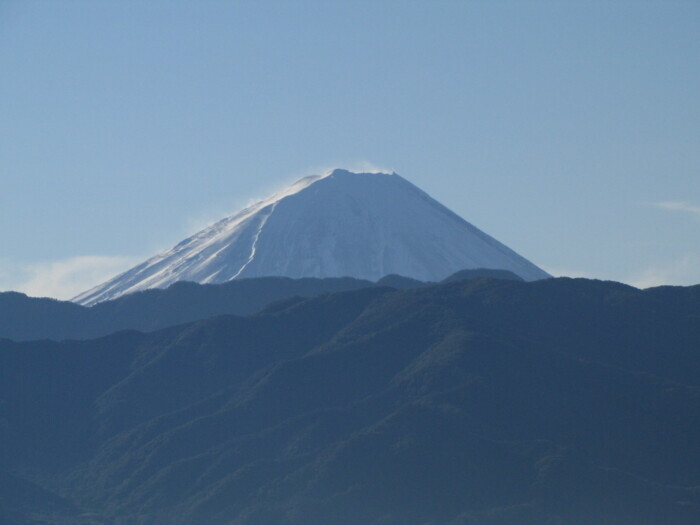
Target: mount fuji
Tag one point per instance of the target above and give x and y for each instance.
(341, 224)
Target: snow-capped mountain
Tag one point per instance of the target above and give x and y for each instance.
(363, 225)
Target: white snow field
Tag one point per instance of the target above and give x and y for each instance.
(342, 224)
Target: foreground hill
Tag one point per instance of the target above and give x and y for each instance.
(476, 402)
(25, 318)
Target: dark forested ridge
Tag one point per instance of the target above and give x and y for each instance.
(564, 401)
(25, 318)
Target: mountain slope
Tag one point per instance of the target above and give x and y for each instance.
(361, 225)
(476, 402)
(25, 318)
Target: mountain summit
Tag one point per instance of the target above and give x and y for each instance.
(342, 224)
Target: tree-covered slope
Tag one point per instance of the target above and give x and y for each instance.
(477, 402)
(25, 318)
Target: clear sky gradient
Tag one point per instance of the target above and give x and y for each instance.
(570, 131)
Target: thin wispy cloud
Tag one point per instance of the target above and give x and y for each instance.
(358, 166)
(205, 219)
(62, 279)
(678, 206)
(568, 272)
(365, 166)
(681, 272)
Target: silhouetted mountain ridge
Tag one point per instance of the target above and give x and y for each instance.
(25, 318)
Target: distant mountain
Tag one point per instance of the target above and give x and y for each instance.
(481, 402)
(343, 224)
(25, 318)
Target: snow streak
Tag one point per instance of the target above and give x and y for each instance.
(255, 241)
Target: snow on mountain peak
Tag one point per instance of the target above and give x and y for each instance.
(340, 224)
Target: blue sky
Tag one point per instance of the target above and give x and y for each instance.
(570, 131)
